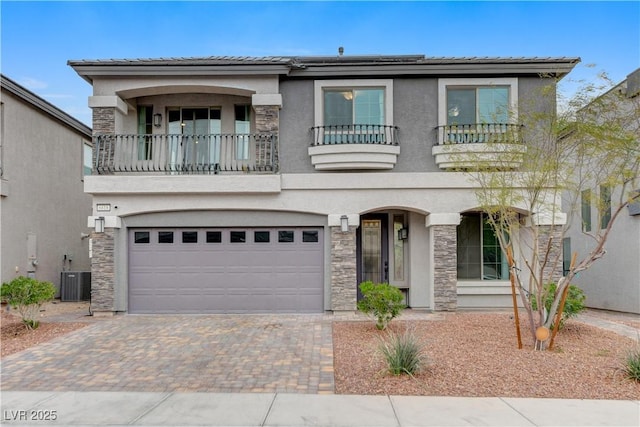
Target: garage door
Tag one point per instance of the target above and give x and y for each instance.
(243, 270)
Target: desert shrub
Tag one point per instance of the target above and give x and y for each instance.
(631, 365)
(573, 305)
(382, 301)
(403, 353)
(27, 295)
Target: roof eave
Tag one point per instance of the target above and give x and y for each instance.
(45, 106)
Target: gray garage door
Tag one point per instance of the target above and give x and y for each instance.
(239, 270)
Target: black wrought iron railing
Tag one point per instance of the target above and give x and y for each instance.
(355, 134)
(186, 154)
(505, 133)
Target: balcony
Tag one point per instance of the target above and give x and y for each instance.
(354, 147)
(479, 146)
(185, 154)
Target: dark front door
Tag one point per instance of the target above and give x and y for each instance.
(373, 253)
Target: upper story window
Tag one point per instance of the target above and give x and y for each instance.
(466, 106)
(354, 111)
(145, 129)
(242, 129)
(354, 107)
(478, 110)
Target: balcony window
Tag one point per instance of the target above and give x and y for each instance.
(479, 254)
(466, 106)
(242, 129)
(145, 129)
(478, 110)
(194, 134)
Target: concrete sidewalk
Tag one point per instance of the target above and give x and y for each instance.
(276, 409)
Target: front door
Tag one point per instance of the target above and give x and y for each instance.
(373, 253)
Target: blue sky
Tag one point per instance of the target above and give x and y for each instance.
(38, 38)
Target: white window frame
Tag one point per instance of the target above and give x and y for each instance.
(511, 82)
(321, 85)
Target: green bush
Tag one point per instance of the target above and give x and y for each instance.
(382, 301)
(403, 353)
(27, 295)
(631, 366)
(573, 305)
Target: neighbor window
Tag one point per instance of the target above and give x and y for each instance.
(87, 159)
(566, 255)
(479, 254)
(585, 207)
(605, 206)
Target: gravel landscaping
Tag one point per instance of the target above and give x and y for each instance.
(476, 354)
(469, 354)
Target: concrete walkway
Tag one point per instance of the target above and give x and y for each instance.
(275, 409)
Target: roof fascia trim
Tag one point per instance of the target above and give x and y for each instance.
(45, 106)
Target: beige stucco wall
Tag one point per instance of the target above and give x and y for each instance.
(42, 169)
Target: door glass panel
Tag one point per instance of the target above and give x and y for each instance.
(371, 250)
(285, 236)
(214, 237)
(398, 248)
(141, 237)
(189, 237)
(237, 237)
(310, 236)
(261, 237)
(165, 237)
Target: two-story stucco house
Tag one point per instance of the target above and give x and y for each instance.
(277, 184)
(44, 157)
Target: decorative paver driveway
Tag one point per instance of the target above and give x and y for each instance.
(221, 353)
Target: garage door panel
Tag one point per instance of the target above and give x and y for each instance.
(225, 277)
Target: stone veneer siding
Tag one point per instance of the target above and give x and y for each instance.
(267, 122)
(343, 269)
(104, 120)
(553, 270)
(445, 271)
(102, 271)
(102, 261)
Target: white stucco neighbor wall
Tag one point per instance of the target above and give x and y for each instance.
(613, 282)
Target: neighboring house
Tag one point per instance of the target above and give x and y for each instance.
(44, 156)
(277, 184)
(613, 282)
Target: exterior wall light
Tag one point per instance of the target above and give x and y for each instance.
(99, 224)
(403, 234)
(344, 223)
(157, 120)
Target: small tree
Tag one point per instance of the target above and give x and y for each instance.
(593, 143)
(27, 295)
(382, 301)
